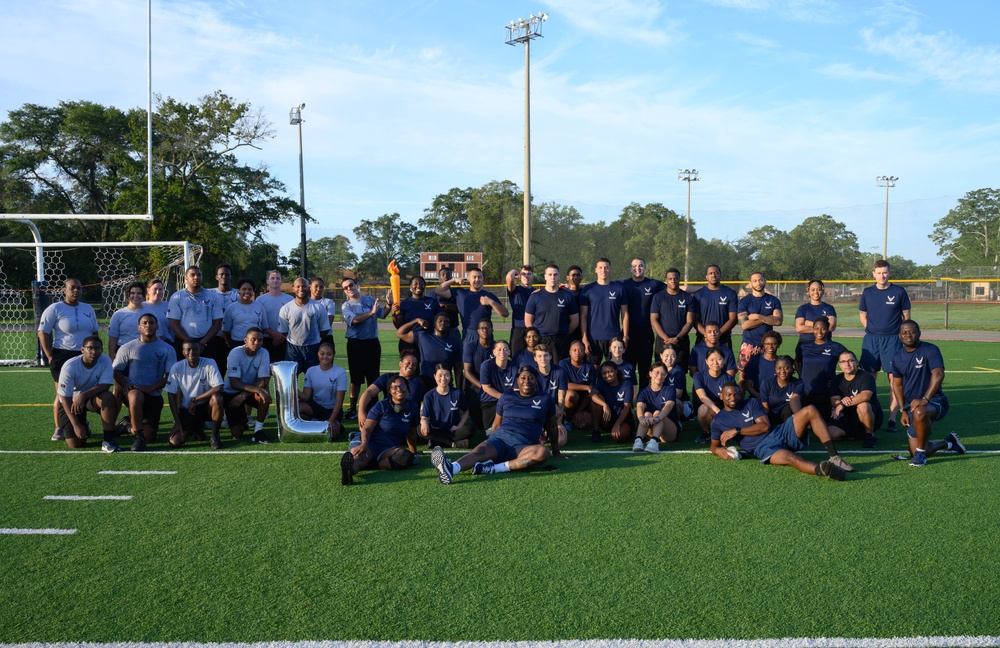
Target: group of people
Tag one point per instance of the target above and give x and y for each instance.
(613, 357)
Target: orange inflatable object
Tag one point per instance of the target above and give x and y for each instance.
(393, 270)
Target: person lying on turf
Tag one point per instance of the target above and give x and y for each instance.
(744, 423)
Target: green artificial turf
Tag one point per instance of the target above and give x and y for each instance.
(252, 544)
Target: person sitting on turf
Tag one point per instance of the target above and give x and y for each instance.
(616, 354)
(581, 376)
(552, 380)
(819, 367)
(917, 376)
(141, 368)
(85, 386)
(611, 404)
(248, 376)
(781, 395)
(857, 412)
(656, 409)
(474, 354)
(194, 391)
(415, 389)
(760, 367)
(708, 384)
(322, 396)
(515, 443)
(677, 378)
(390, 425)
(496, 376)
(744, 423)
(444, 416)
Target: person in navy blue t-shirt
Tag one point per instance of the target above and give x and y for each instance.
(760, 368)
(716, 303)
(552, 380)
(409, 370)
(444, 417)
(611, 404)
(640, 291)
(807, 314)
(496, 376)
(781, 395)
(707, 386)
(554, 311)
(519, 289)
(437, 346)
(580, 376)
(603, 313)
(474, 354)
(656, 411)
(473, 303)
(388, 437)
(521, 416)
(857, 412)
(672, 316)
(882, 308)
(758, 313)
(418, 305)
(712, 340)
(917, 376)
(744, 423)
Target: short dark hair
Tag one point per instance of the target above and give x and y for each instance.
(881, 263)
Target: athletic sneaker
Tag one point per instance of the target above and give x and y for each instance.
(464, 443)
(442, 465)
(955, 444)
(870, 441)
(109, 446)
(891, 425)
(347, 469)
(838, 461)
(595, 436)
(351, 414)
(702, 438)
(919, 458)
(653, 446)
(830, 471)
(260, 436)
(58, 435)
(568, 425)
(416, 459)
(215, 442)
(123, 426)
(483, 467)
(638, 445)
(139, 444)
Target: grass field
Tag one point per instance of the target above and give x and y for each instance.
(262, 543)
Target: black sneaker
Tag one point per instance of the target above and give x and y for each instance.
(702, 438)
(890, 427)
(347, 469)
(870, 441)
(216, 442)
(955, 444)
(351, 414)
(260, 437)
(595, 436)
(123, 427)
(139, 444)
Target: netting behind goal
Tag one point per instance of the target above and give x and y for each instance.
(104, 271)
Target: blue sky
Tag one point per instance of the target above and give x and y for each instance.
(788, 108)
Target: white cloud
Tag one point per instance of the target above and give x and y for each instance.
(942, 57)
(759, 42)
(631, 20)
(851, 73)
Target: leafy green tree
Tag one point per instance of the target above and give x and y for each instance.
(560, 236)
(327, 258)
(495, 217)
(823, 247)
(446, 221)
(386, 238)
(969, 234)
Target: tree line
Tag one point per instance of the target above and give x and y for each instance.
(80, 157)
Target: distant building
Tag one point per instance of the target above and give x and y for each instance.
(459, 262)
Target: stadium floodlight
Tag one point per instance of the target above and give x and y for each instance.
(525, 31)
(688, 176)
(295, 119)
(888, 182)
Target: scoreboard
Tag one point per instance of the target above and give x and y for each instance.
(460, 263)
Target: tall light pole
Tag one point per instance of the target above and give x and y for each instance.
(524, 31)
(295, 119)
(887, 182)
(688, 176)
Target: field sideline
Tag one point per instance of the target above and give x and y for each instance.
(261, 545)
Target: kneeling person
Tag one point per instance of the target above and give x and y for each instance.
(517, 427)
(857, 412)
(444, 416)
(194, 390)
(141, 368)
(248, 374)
(744, 423)
(85, 386)
(389, 424)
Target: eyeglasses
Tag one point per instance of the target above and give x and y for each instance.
(397, 388)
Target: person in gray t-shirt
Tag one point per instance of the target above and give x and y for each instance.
(141, 368)
(248, 375)
(85, 386)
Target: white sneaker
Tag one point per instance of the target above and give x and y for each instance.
(637, 446)
(653, 446)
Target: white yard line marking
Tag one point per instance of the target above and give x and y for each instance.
(86, 498)
(136, 472)
(4, 531)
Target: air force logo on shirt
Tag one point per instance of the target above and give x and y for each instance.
(648, 290)
(552, 385)
(788, 396)
(612, 295)
(508, 381)
(889, 301)
(920, 363)
(747, 417)
(536, 404)
(560, 303)
(681, 303)
(826, 352)
(767, 305)
(447, 348)
(621, 396)
(454, 406)
(723, 300)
